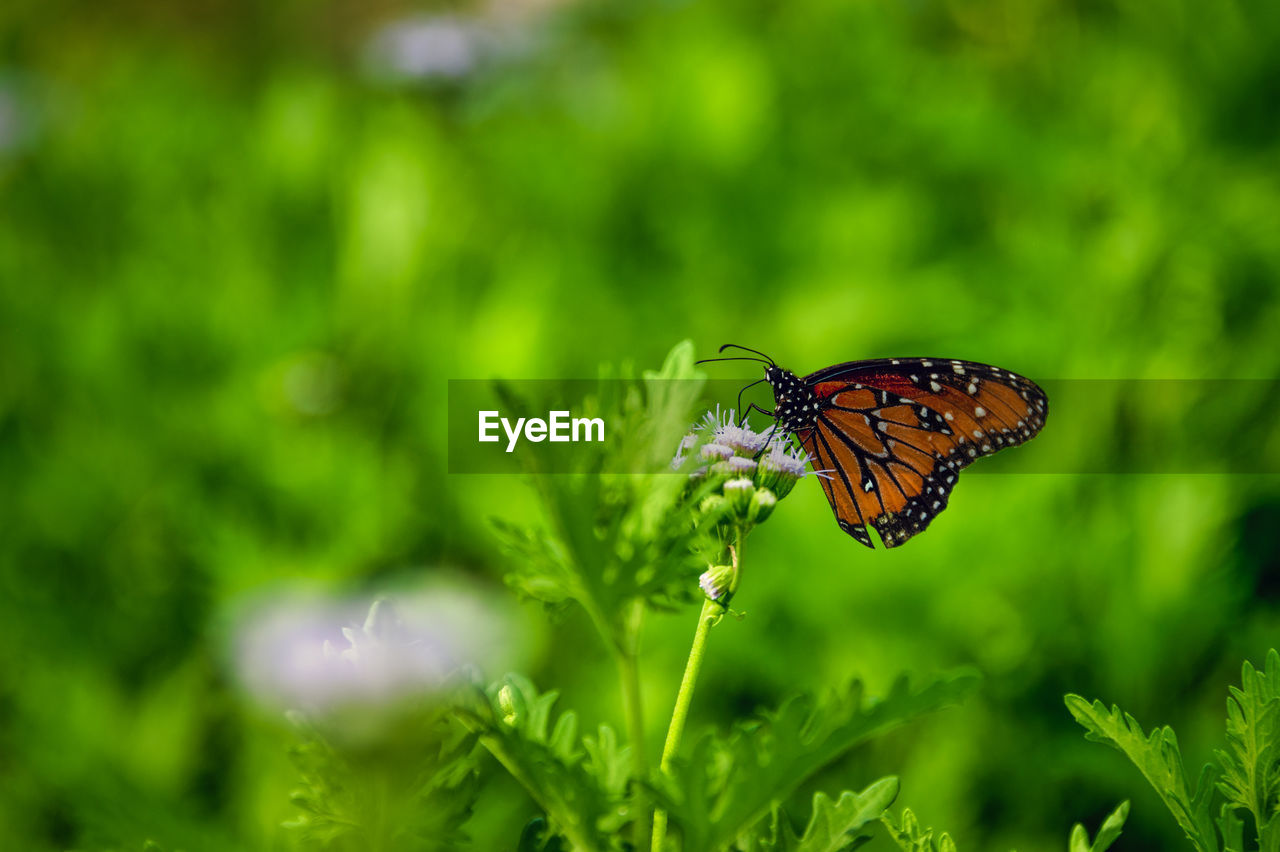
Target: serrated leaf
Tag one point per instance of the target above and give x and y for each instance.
(580, 785)
(1158, 758)
(911, 837)
(727, 786)
(1251, 762)
(608, 762)
(835, 826)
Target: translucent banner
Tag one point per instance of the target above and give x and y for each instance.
(1174, 426)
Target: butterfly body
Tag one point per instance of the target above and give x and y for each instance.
(795, 405)
(891, 435)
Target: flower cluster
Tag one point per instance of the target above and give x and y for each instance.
(743, 474)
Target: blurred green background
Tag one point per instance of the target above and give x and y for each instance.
(243, 247)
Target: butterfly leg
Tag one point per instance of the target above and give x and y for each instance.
(754, 407)
(741, 392)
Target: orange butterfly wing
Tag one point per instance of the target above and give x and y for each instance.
(892, 435)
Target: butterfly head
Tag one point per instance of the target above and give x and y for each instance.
(795, 404)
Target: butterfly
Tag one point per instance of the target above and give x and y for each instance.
(891, 435)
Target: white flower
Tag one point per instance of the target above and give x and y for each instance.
(716, 451)
(741, 438)
(784, 458)
(725, 431)
(713, 420)
(688, 442)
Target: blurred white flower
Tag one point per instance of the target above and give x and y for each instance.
(322, 655)
(423, 47)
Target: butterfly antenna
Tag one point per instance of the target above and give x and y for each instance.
(714, 360)
(747, 349)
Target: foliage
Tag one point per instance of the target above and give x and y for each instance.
(579, 783)
(1250, 765)
(728, 789)
(907, 832)
(728, 785)
(1158, 758)
(1246, 774)
(833, 825)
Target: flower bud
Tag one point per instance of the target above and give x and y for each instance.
(718, 582)
(738, 493)
(713, 505)
(507, 704)
(762, 503)
(779, 471)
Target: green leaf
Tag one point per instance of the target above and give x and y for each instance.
(1251, 762)
(728, 786)
(910, 836)
(833, 826)
(1107, 835)
(1158, 758)
(1232, 829)
(579, 784)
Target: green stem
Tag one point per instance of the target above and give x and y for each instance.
(711, 612)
